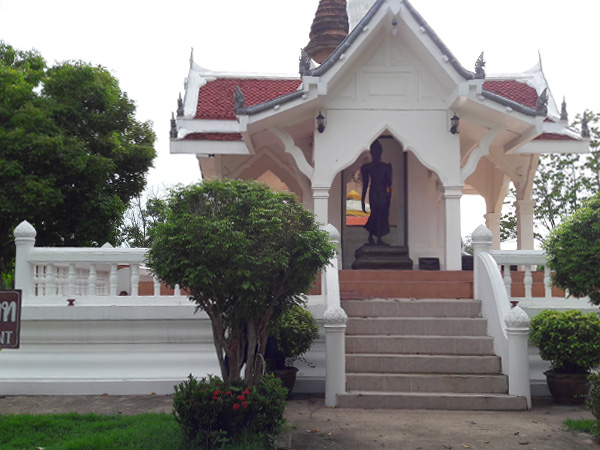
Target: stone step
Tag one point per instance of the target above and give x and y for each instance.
(448, 364)
(410, 307)
(354, 290)
(435, 400)
(440, 345)
(480, 384)
(437, 326)
(406, 275)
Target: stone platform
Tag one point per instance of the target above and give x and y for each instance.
(382, 257)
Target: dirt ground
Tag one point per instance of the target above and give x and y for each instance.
(315, 426)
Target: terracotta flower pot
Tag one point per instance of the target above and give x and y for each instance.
(287, 376)
(568, 388)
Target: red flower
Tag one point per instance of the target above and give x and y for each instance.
(241, 397)
(246, 392)
(216, 393)
(236, 406)
(228, 393)
(215, 398)
(244, 404)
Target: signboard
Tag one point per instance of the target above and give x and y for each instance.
(10, 319)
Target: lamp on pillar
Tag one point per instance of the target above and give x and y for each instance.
(321, 122)
(454, 121)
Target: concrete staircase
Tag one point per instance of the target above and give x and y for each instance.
(421, 353)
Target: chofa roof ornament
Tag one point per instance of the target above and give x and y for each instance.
(180, 106)
(479, 68)
(563, 111)
(542, 103)
(585, 130)
(173, 132)
(238, 99)
(304, 63)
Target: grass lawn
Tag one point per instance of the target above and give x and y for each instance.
(591, 426)
(91, 431)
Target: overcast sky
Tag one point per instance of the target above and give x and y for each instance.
(146, 45)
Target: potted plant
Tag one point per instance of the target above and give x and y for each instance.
(570, 341)
(291, 335)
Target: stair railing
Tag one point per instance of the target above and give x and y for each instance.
(335, 319)
(509, 327)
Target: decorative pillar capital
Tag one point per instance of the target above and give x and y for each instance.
(524, 206)
(452, 192)
(335, 316)
(517, 320)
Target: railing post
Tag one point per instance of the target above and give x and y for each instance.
(335, 329)
(517, 330)
(24, 241)
(482, 242)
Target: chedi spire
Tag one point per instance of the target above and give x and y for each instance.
(328, 30)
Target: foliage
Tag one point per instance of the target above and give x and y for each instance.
(593, 399)
(294, 330)
(562, 183)
(72, 154)
(89, 431)
(573, 251)
(245, 254)
(570, 340)
(142, 214)
(212, 414)
(590, 426)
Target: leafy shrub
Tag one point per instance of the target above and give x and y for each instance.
(570, 340)
(573, 250)
(593, 399)
(211, 414)
(294, 330)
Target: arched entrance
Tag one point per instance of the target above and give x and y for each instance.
(354, 235)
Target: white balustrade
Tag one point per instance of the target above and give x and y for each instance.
(58, 273)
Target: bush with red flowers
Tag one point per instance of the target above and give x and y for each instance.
(211, 414)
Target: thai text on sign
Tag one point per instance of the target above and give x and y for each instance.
(10, 319)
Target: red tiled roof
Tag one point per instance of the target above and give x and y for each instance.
(215, 99)
(213, 137)
(553, 137)
(513, 90)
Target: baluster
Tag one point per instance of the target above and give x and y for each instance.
(177, 291)
(547, 282)
(157, 284)
(528, 281)
(507, 280)
(113, 279)
(50, 280)
(135, 279)
(71, 280)
(92, 277)
(36, 280)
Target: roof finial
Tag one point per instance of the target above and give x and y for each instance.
(479, 68)
(238, 99)
(180, 106)
(192, 58)
(304, 63)
(585, 130)
(542, 103)
(563, 111)
(173, 132)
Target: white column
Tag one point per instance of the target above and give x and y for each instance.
(321, 204)
(492, 222)
(524, 211)
(335, 330)
(453, 240)
(517, 330)
(24, 242)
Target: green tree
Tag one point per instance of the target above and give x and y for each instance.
(144, 211)
(573, 250)
(72, 155)
(245, 254)
(562, 183)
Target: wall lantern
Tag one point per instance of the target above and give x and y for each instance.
(454, 121)
(321, 122)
